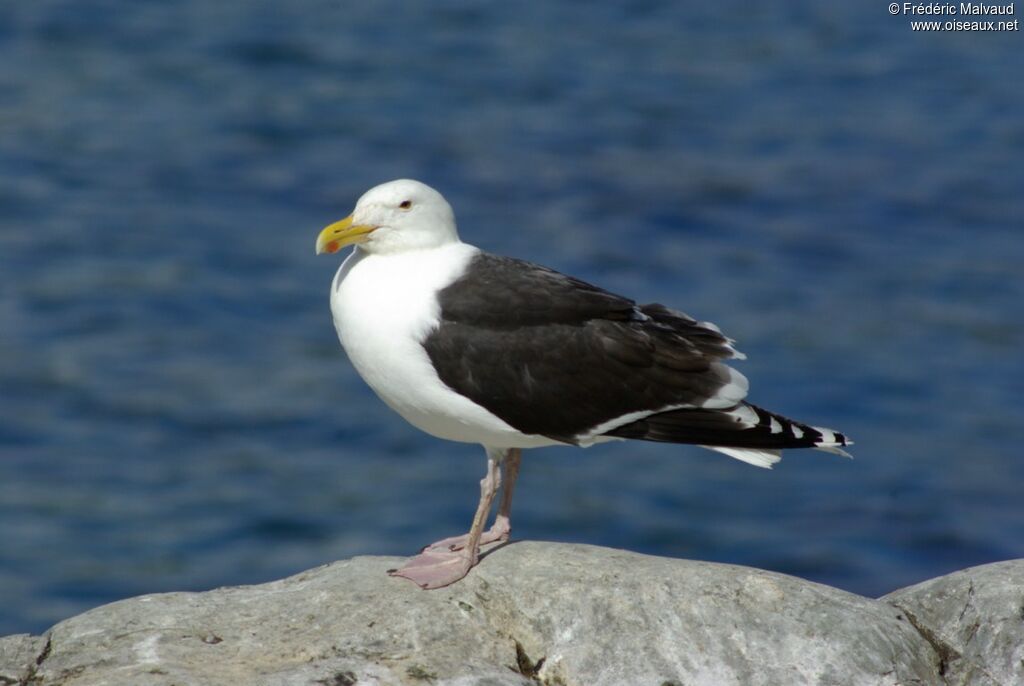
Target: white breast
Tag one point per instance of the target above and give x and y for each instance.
(383, 307)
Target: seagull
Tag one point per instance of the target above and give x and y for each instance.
(473, 347)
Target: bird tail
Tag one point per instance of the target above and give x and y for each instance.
(745, 432)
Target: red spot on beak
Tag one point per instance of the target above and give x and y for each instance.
(332, 247)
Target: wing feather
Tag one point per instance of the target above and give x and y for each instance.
(556, 356)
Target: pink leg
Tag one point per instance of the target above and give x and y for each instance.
(447, 561)
(438, 568)
(503, 521)
(502, 527)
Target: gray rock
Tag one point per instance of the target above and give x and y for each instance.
(975, 621)
(561, 615)
(20, 656)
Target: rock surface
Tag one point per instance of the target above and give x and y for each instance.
(542, 613)
(975, 621)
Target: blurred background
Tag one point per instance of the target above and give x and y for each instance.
(839, 193)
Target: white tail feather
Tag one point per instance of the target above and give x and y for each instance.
(759, 457)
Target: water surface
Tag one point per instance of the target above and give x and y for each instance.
(839, 194)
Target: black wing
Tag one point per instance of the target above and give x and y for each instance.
(556, 356)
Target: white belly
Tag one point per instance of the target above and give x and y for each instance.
(383, 307)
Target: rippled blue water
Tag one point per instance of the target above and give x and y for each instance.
(840, 194)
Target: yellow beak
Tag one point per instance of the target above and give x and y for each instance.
(339, 234)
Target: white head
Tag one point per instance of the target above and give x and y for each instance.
(393, 217)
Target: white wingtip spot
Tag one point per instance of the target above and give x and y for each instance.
(797, 431)
(830, 443)
(775, 427)
(744, 415)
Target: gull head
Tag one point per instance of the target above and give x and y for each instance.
(397, 216)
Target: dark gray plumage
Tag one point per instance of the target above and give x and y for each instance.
(555, 356)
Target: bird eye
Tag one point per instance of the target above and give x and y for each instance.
(406, 204)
